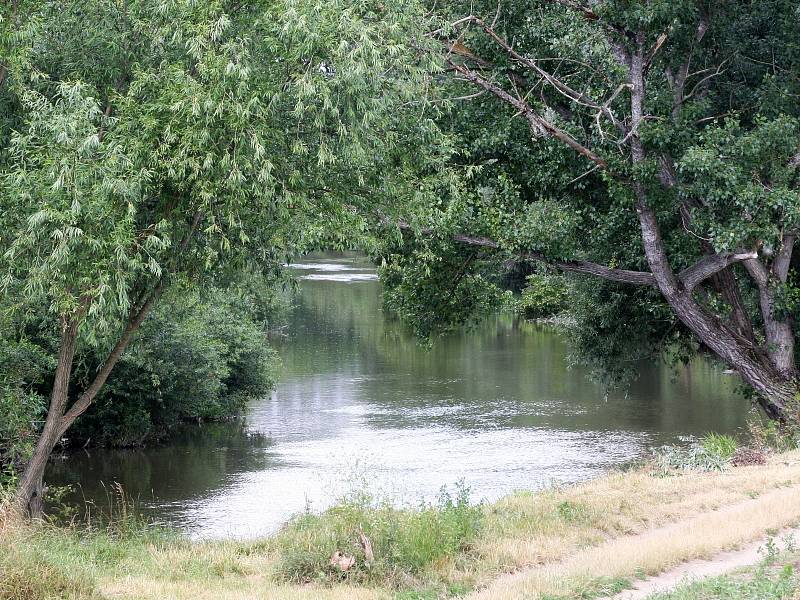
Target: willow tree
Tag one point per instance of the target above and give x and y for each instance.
(154, 141)
(653, 146)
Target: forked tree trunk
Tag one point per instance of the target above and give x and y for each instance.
(773, 379)
(29, 496)
(768, 369)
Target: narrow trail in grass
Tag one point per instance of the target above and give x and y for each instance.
(719, 564)
(657, 550)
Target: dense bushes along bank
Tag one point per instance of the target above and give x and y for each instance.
(199, 356)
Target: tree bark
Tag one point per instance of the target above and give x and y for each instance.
(85, 400)
(778, 331)
(773, 387)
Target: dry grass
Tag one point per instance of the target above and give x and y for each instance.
(249, 588)
(654, 551)
(556, 543)
(624, 525)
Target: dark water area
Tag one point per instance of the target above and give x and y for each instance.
(360, 405)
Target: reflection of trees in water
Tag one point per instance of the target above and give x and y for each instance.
(194, 464)
(503, 373)
(349, 368)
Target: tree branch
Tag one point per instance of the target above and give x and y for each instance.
(782, 262)
(559, 85)
(709, 265)
(571, 266)
(87, 397)
(537, 122)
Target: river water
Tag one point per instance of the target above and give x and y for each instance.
(361, 406)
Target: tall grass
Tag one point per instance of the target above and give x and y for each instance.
(713, 452)
(404, 542)
(60, 558)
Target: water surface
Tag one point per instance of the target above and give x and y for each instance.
(361, 405)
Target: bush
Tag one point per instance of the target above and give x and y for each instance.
(723, 446)
(544, 296)
(768, 435)
(195, 358)
(404, 542)
(22, 364)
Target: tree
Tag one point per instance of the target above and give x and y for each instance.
(652, 145)
(151, 142)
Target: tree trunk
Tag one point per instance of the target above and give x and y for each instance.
(773, 385)
(29, 496)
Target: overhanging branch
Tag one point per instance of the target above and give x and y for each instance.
(537, 122)
(570, 266)
(690, 277)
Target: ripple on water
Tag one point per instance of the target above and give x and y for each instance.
(341, 278)
(405, 465)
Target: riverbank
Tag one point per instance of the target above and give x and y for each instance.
(583, 541)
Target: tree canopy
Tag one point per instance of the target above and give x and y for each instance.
(651, 147)
(151, 142)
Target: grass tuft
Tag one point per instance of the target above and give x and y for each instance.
(762, 584)
(713, 452)
(404, 542)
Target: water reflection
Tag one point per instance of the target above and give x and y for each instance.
(360, 400)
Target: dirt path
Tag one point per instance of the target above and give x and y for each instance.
(681, 543)
(702, 569)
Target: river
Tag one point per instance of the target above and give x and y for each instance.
(361, 406)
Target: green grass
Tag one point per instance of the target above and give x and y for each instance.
(762, 583)
(723, 446)
(599, 587)
(63, 562)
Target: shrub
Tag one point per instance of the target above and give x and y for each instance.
(544, 296)
(22, 364)
(769, 435)
(195, 358)
(404, 542)
(723, 446)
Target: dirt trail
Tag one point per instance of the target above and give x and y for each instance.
(679, 543)
(720, 564)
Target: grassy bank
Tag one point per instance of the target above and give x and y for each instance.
(579, 541)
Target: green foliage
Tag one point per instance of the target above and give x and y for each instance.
(152, 145)
(405, 542)
(19, 426)
(768, 435)
(720, 445)
(440, 287)
(195, 358)
(719, 167)
(135, 161)
(23, 364)
(545, 295)
(617, 326)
